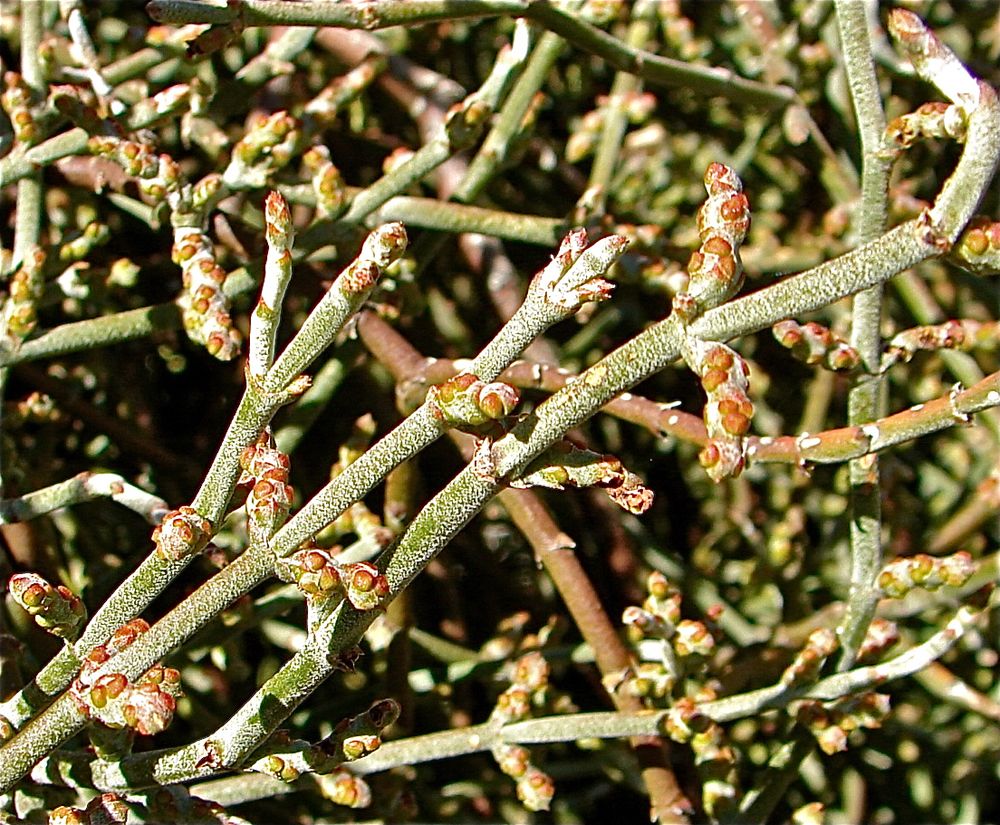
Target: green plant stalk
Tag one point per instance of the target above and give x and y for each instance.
(374, 15)
(865, 398)
(615, 122)
(95, 332)
(381, 13)
(429, 213)
(28, 217)
(509, 121)
(84, 486)
(256, 408)
(276, 56)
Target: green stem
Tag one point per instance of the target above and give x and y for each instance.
(864, 402)
(615, 122)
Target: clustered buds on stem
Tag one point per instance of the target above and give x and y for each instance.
(814, 343)
(181, 533)
(575, 275)
(728, 410)
(467, 403)
(882, 634)
(19, 102)
(821, 643)
(315, 572)
(204, 306)
(105, 809)
(174, 803)
(327, 182)
(352, 739)
(266, 470)
(137, 159)
(344, 788)
(715, 270)
(146, 706)
(930, 120)
(25, 288)
(715, 759)
(564, 465)
(384, 245)
(268, 145)
(685, 643)
(529, 682)
(960, 335)
(978, 247)
(831, 722)
(57, 609)
(340, 91)
(902, 575)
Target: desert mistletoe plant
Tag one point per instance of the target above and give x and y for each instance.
(696, 523)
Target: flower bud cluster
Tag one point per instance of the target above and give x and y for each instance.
(714, 758)
(176, 804)
(961, 335)
(105, 809)
(728, 410)
(465, 402)
(57, 609)
(882, 634)
(529, 684)
(344, 89)
(575, 275)
(265, 470)
(583, 139)
(327, 182)
(683, 640)
(19, 103)
(137, 159)
(344, 788)
(821, 643)
(20, 313)
(902, 575)
(146, 706)
(268, 145)
(315, 572)
(464, 122)
(181, 533)
(716, 271)
(204, 306)
(354, 738)
(384, 246)
(978, 247)
(814, 343)
(830, 723)
(565, 464)
(151, 109)
(931, 120)
(94, 234)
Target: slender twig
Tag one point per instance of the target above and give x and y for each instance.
(865, 401)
